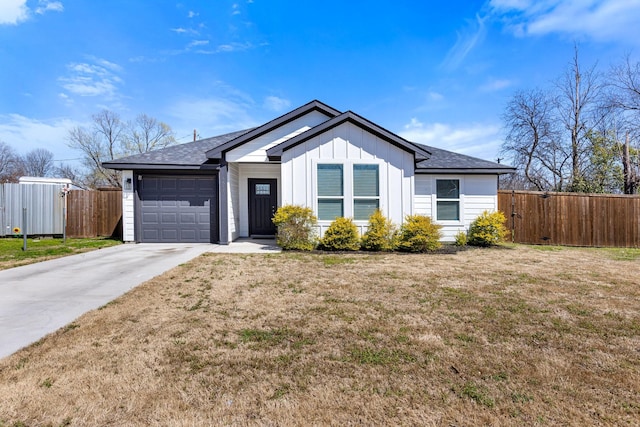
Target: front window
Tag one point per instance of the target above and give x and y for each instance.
(366, 191)
(330, 191)
(448, 199)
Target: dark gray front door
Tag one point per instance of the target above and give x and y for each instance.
(263, 201)
(178, 209)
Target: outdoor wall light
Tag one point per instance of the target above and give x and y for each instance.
(128, 184)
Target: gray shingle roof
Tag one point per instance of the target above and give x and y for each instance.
(193, 155)
(190, 154)
(443, 161)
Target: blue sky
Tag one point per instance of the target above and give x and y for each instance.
(435, 72)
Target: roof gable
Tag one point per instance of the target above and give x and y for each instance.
(218, 151)
(420, 152)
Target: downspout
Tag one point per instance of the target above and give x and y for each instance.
(223, 204)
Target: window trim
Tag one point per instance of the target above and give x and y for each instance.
(348, 187)
(459, 199)
(329, 197)
(353, 182)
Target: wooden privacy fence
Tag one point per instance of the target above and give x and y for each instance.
(94, 213)
(572, 219)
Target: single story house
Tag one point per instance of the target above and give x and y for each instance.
(338, 163)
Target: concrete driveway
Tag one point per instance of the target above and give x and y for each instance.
(38, 299)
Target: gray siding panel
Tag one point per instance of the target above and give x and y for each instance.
(45, 208)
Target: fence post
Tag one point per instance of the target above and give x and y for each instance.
(24, 229)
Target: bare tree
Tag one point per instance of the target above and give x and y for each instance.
(532, 139)
(11, 167)
(99, 144)
(38, 162)
(624, 81)
(70, 172)
(578, 108)
(110, 138)
(146, 134)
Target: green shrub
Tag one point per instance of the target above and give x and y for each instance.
(461, 238)
(381, 235)
(296, 228)
(342, 235)
(419, 234)
(487, 229)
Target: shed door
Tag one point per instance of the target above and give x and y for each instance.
(263, 201)
(178, 209)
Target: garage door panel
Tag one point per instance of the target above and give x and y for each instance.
(169, 218)
(177, 208)
(187, 218)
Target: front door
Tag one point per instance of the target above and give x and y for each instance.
(263, 202)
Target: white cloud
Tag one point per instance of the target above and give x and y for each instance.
(466, 41)
(192, 14)
(13, 11)
(26, 134)
(475, 139)
(435, 96)
(494, 85)
(276, 104)
(95, 78)
(601, 20)
(49, 6)
(198, 43)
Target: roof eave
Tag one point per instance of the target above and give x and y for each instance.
(151, 166)
(476, 171)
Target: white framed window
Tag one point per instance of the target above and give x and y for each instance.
(330, 191)
(347, 189)
(366, 191)
(448, 199)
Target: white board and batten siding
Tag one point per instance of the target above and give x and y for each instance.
(348, 144)
(128, 203)
(250, 161)
(233, 201)
(477, 194)
(255, 151)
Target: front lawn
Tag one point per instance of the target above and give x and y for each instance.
(503, 336)
(12, 255)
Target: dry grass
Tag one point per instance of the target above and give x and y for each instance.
(508, 336)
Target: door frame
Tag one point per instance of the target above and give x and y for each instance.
(250, 192)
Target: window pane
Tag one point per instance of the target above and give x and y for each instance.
(449, 211)
(365, 180)
(448, 188)
(330, 180)
(363, 208)
(329, 209)
(263, 189)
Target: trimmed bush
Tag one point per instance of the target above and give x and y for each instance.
(381, 235)
(342, 235)
(296, 228)
(461, 238)
(487, 229)
(419, 234)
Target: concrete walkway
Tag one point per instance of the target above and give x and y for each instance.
(40, 298)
